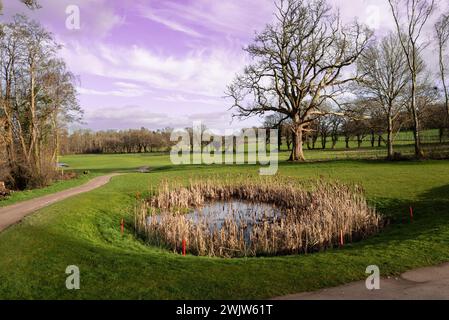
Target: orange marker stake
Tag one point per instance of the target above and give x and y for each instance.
(183, 247)
(411, 213)
(122, 226)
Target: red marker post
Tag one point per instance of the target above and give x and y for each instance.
(183, 247)
(342, 241)
(122, 226)
(411, 213)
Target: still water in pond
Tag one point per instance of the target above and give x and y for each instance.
(244, 213)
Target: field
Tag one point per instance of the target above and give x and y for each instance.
(85, 231)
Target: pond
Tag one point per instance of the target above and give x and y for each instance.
(244, 214)
(249, 219)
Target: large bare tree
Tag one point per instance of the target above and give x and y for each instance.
(301, 63)
(409, 26)
(442, 37)
(385, 80)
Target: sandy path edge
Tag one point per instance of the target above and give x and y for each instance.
(13, 214)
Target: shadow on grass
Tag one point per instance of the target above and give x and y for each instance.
(430, 218)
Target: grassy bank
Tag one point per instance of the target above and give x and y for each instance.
(85, 231)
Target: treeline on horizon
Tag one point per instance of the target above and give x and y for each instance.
(326, 132)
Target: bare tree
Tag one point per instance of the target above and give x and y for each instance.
(277, 122)
(442, 37)
(37, 96)
(38, 46)
(299, 66)
(61, 105)
(385, 80)
(336, 122)
(417, 14)
(324, 130)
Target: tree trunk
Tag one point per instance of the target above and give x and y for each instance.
(390, 137)
(298, 151)
(56, 150)
(279, 140)
(9, 139)
(34, 152)
(359, 141)
(323, 142)
(416, 135)
(334, 141)
(443, 80)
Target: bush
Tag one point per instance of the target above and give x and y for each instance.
(22, 176)
(4, 192)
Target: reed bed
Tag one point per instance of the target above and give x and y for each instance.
(314, 216)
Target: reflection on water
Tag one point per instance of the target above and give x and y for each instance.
(244, 214)
(240, 211)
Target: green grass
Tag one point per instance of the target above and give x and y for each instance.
(85, 231)
(106, 163)
(97, 165)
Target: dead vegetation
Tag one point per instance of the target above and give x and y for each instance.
(315, 216)
(4, 192)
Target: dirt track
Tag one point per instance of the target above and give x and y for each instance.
(430, 283)
(12, 214)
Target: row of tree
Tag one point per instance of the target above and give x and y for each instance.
(128, 141)
(307, 62)
(327, 131)
(324, 132)
(37, 99)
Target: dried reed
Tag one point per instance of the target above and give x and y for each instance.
(313, 217)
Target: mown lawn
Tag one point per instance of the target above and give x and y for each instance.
(85, 231)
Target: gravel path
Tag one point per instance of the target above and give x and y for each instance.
(14, 213)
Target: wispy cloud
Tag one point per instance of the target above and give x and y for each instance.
(128, 93)
(134, 116)
(230, 16)
(197, 72)
(148, 14)
(179, 98)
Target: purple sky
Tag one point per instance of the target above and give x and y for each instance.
(165, 63)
